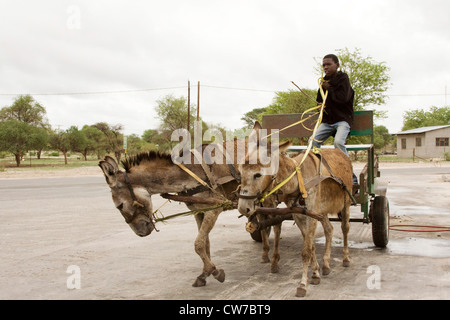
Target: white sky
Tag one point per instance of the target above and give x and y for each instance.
(79, 46)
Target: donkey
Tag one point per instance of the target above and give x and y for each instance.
(325, 196)
(154, 173)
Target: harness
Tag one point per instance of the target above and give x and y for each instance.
(213, 182)
(261, 194)
(303, 187)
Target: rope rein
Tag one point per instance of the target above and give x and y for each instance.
(308, 149)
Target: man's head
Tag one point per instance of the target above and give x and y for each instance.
(330, 65)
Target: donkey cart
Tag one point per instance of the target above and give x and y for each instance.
(368, 194)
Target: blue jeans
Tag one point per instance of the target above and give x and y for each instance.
(340, 131)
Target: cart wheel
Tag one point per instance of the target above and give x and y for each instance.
(257, 234)
(379, 215)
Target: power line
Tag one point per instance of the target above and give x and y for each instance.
(185, 87)
(417, 95)
(240, 89)
(91, 92)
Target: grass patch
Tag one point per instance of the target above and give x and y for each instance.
(49, 163)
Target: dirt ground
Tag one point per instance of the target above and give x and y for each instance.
(62, 238)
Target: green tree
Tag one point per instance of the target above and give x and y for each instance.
(25, 109)
(134, 144)
(71, 139)
(59, 140)
(15, 138)
(381, 137)
(420, 118)
(77, 139)
(39, 139)
(24, 127)
(252, 116)
(150, 135)
(113, 138)
(173, 114)
(292, 101)
(93, 141)
(152, 140)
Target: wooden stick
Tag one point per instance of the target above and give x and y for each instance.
(271, 221)
(284, 211)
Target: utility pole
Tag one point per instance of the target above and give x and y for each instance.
(189, 105)
(198, 101)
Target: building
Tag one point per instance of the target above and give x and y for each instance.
(425, 142)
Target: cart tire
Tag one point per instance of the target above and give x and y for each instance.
(379, 215)
(257, 234)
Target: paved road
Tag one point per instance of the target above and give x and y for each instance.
(54, 229)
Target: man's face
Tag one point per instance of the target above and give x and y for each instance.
(330, 67)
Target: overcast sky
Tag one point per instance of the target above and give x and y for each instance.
(126, 48)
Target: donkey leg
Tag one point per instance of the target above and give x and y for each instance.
(274, 268)
(315, 278)
(206, 223)
(306, 259)
(307, 227)
(345, 226)
(328, 231)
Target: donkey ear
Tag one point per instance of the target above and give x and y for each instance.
(256, 132)
(112, 162)
(257, 126)
(110, 169)
(284, 145)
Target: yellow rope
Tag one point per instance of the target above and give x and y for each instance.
(308, 149)
(155, 213)
(298, 122)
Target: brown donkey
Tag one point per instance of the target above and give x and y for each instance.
(324, 196)
(155, 173)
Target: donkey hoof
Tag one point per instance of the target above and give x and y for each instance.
(326, 271)
(346, 263)
(274, 268)
(199, 282)
(265, 260)
(315, 281)
(301, 292)
(219, 274)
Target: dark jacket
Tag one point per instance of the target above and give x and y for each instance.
(339, 103)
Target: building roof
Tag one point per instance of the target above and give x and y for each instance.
(423, 129)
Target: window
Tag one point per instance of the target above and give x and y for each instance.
(403, 143)
(441, 142)
(418, 142)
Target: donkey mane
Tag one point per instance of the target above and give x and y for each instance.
(135, 160)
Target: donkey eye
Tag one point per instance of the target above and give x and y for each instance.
(120, 206)
(257, 175)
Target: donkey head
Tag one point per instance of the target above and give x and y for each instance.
(258, 173)
(133, 202)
